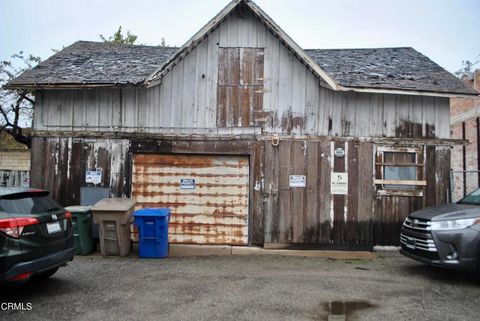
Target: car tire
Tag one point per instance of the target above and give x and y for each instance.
(45, 275)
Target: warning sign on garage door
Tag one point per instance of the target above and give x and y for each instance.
(187, 183)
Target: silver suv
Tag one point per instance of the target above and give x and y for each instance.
(447, 235)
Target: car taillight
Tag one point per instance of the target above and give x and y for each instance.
(68, 215)
(14, 226)
(20, 277)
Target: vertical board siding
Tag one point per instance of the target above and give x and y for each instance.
(365, 192)
(339, 201)
(289, 99)
(240, 83)
(304, 215)
(390, 211)
(313, 215)
(279, 213)
(59, 166)
(257, 189)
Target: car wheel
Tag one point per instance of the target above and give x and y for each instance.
(45, 275)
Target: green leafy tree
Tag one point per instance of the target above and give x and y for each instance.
(16, 106)
(119, 37)
(128, 38)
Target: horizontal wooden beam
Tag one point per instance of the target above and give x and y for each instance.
(34, 87)
(406, 92)
(399, 164)
(399, 149)
(391, 143)
(393, 192)
(136, 136)
(399, 182)
(222, 134)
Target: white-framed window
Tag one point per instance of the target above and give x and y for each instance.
(399, 170)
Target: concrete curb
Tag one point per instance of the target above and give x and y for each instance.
(380, 248)
(178, 250)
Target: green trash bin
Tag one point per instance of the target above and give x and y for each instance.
(82, 229)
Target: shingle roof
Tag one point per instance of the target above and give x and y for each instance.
(86, 62)
(387, 68)
(99, 63)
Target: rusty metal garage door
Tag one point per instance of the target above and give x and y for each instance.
(208, 195)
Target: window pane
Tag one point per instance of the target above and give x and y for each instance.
(400, 173)
(388, 157)
(28, 205)
(399, 158)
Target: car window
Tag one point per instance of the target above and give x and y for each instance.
(28, 205)
(472, 198)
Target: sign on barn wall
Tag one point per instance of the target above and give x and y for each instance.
(298, 181)
(94, 177)
(339, 183)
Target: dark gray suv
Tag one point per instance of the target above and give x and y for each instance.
(447, 235)
(36, 235)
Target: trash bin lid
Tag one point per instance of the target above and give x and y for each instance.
(113, 205)
(79, 209)
(152, 212)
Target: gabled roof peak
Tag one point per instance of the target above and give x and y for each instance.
(156, 76)
(395, 70)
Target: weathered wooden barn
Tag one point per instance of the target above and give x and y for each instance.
(249, 138)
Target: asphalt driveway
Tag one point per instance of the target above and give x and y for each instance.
(247, 288)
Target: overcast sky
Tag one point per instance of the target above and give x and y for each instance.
(448, 31)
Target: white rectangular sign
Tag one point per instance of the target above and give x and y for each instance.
(298, 181)
(187, 183)
(339, 183)
(94, 177)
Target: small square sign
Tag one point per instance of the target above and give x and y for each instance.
(187, 183)
(298, 181)
(94, 177)
(339, 183)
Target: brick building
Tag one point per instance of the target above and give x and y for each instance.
(465, 124)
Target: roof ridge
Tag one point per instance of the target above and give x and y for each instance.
(360, 48)
(122, 44)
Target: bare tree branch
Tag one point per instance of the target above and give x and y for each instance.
(24, 94)
(5, 117)
(16, 106)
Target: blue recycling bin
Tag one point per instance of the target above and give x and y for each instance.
(152, 225)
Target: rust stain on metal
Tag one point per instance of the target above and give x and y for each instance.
(178, 161)
(236, 196)
(212, 210)
(194, 173)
